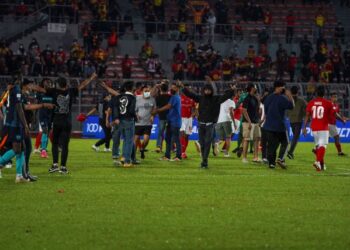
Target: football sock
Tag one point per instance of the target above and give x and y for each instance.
(182, 142)
(44, 141)
(338, 146)
(186, 143)
(7, 156)
(38, 140)
(320, 153)
(19, 163)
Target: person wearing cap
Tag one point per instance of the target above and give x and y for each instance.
(63, 97)
(296, 117)
(251, 123)
(276, 105)
(209, 109)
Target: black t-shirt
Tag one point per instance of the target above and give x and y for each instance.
(102, 107)
(251, 103)
(161, 101)
(63, 100)
(125, 107)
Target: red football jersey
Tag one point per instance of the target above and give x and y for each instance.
(320, 111)
(187, 104)
(237, 113)
(333, 118)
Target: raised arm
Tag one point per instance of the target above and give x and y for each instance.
(39, 106)
(108, 89)
(190, 94)
(87, 81)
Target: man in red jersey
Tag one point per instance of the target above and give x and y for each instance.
(187, 110)
(320, 110)
(333, 132)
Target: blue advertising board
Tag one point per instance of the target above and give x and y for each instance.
(91, 129)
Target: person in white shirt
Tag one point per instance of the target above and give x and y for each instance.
(223, 128)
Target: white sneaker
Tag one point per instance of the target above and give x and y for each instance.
(95, 148)
(20, 179)
(8, 165)
(107, 150)
(226, 155)
(245, 161)
(0, 174)
(317, 166)
(36, 151)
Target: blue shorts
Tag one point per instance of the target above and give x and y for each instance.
(14, 134)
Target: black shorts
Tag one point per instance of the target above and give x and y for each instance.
(143, 130)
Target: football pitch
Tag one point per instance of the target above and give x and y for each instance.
(175, 205)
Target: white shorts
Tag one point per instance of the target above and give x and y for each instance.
(237, 123)
(321, 137)
(333, 131)
(186, 125)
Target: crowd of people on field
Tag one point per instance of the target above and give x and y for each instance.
(257, 120)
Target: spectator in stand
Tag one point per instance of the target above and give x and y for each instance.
(339, 34)
(158, 8)
(211, 25)
(281, 62)
(314, 69)
(238, 31)
(60, 60)
(198, 8)
(86, 30)
(338, 65)
(226, 69)
(178, 70)
(22, 10)
(112, 43)
(292, 63)
(126, 67)
(221, 10)
(263, 36)
(267, 18)
(346, 56)
(100, 59)
(36, 61)
(290, 21)
(320, 21)
(305, 50)
(173, 32)
(151, 66)
(33, 43)
(48, 60)
(182, 27)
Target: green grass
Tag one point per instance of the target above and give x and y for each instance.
(162, 205)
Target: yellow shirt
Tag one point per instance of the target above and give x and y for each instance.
(158, 2)
(320, 20)
(182, 27)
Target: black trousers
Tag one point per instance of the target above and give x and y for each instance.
(275, 139)
(61, 137)
(296, 128)
(108, 135)
(205, 140)
(264, 143)
(27, 153)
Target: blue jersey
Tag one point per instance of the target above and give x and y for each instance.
(45, 114)
(174, 114)
(11, 115)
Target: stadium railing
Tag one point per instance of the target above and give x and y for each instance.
(276, 32)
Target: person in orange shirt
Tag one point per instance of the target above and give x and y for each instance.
(198, 8)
